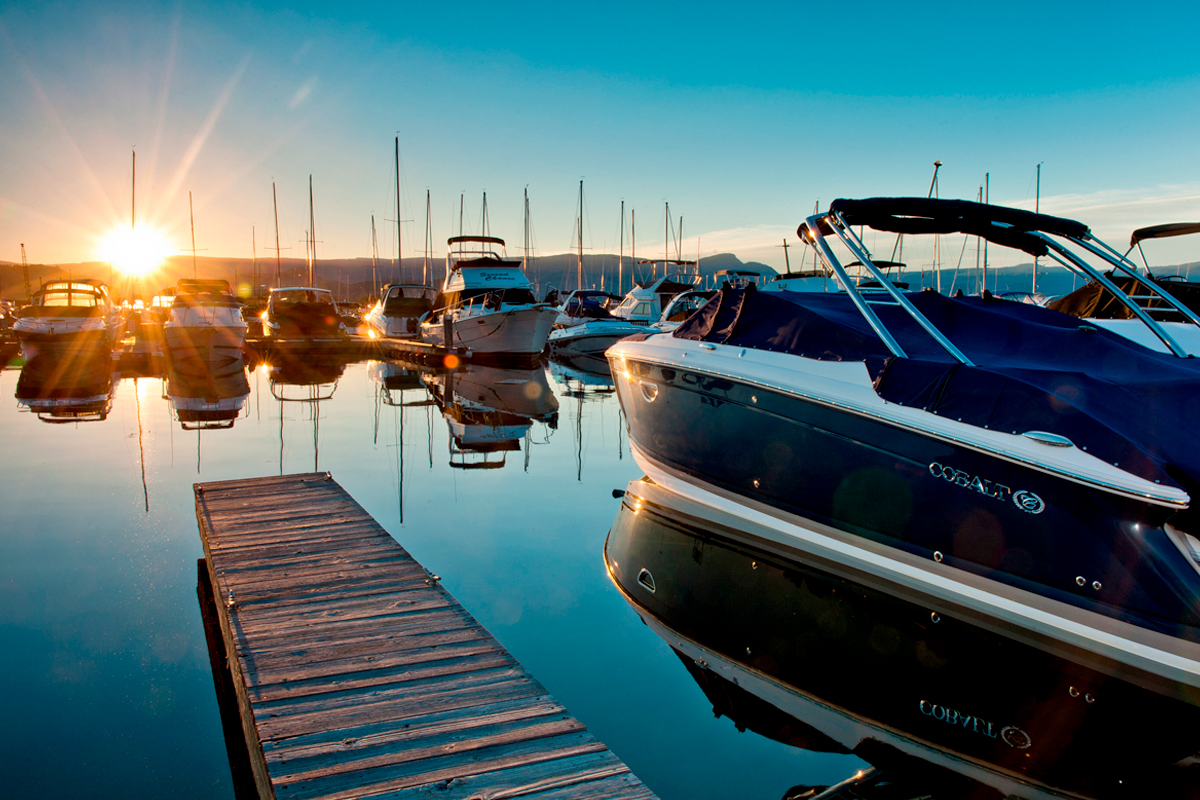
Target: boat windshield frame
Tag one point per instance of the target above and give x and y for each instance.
(1037, 234)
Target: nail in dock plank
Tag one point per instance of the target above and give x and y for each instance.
(358, 675)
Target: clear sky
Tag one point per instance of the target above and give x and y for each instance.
(740, 118)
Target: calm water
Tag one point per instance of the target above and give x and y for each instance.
(107, 687)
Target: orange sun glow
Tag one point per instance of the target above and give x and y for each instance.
(136, 252)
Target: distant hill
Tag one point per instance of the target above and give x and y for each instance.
(351, 278)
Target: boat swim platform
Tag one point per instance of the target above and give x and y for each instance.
(357, 674)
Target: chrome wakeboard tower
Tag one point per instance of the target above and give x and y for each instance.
(1067, 242)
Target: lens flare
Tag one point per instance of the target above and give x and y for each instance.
(135, 252)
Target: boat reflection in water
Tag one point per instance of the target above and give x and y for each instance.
(490, 410)
(582, 375)
(205, 395)
(71, 388)
(810, 655)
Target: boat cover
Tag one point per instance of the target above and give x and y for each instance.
(1035, 369)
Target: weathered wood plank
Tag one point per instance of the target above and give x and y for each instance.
(358, 675)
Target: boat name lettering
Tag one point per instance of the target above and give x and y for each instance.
(1009, 734)
(968, 481)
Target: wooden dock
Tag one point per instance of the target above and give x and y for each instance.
(358, 675)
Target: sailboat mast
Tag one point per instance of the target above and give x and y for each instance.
(133, 195)
(1037, 209)
(374, 256)
(312, 235)
(579, 260)
(253, 258)
(399, 243)
(192, 220)
(621, 258)
(633, 244)
(987, 176)
(275, 204)
(428, 237)
(483, 225)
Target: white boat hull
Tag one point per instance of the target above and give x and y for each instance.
(521, 331)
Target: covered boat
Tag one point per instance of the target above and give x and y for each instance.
(999, 461)
(206, 321)
(646, 302)
(68, 318)
(398, 311)
(487, 303)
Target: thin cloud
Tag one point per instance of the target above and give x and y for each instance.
(302, 93)
(202, 135)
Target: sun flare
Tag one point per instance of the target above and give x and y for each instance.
(135, 252)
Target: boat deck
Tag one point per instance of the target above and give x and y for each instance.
(358, 675)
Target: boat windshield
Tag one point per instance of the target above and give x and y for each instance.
(75, 295)
(289, 297)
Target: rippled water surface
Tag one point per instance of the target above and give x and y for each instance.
(108, 691)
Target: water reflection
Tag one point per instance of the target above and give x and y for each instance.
(825, 663)
(206, 395)
(68, 388)
(490, 411)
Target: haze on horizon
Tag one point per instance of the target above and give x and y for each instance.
(740, 120)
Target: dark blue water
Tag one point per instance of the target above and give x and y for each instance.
(107, 690)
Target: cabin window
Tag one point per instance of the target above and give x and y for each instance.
(642, 309)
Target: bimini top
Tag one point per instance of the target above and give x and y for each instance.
(1032, 369)
(1008, 227)
(1163, 231)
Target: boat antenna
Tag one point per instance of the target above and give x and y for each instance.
(786, 261)
(253, 258)
(483, 226)
(133, 194)
(525, 264)
(633, 243)
(192, 220)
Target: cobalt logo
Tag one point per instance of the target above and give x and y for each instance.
(1028, 501)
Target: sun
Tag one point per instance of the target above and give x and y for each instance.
(136, 252)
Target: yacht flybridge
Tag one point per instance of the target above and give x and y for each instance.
(487, 303)
(997, 462)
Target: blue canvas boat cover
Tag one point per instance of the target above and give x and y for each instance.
(1034, 369)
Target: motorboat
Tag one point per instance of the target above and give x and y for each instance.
(740, 278)
(806, 651)
(682, 306)
(68, 318)
(303, 312)
(645, 302)
(585, 305)
(487, 303)
(490, 410)
(1094, 302)
(203, 395)
(590, 338)
(398, 312)
(993, 461)
(205, 320)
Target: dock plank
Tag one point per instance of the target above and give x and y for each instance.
(358, 675)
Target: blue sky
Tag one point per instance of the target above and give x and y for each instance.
(741, 119)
